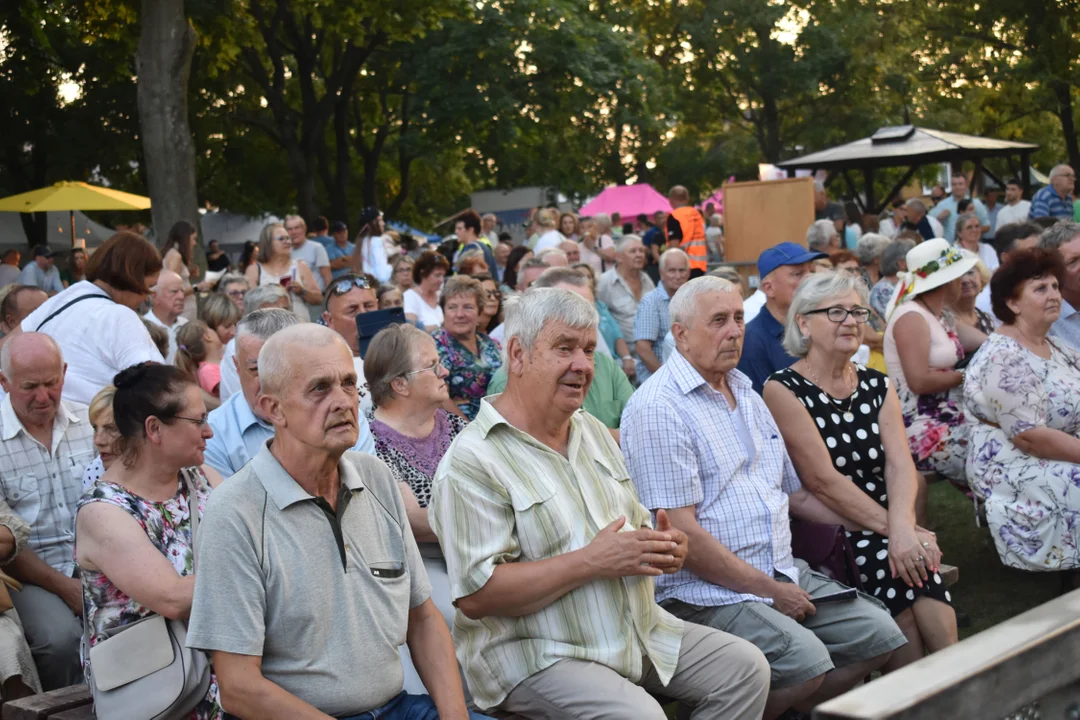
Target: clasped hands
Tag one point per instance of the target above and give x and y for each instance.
(637, 552)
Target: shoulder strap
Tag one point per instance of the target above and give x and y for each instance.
(191, 486)
(68, 304)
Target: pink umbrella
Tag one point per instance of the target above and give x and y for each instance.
(627, 200)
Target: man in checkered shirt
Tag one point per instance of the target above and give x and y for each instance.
(701, 444)
(45, 445)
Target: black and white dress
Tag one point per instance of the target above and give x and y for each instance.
(850, 430)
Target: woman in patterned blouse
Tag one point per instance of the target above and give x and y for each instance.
(471, 357)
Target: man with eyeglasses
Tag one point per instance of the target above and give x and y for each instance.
(240, 430)
(1056, 199)
(235, 288)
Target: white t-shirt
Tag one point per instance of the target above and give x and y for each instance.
(365, 398)
(939, 229)
(151, 317)
(752, 305)
(230, 380)
(427, 315)
(1009, 214)
(98, 338)
(550, 239)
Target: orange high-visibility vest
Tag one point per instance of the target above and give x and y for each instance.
(693, 239)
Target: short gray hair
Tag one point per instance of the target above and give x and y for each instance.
(814, 290)
(263, 295)
(684, 303)
(819, 234)
(561, 276)
(916, 204)
(275, 371)
(670, 252)
(549, 252)
(1058, 234)
(527, 314)
(232, 278)
(261, 324)
(891, 257)
(602, 219)
(1058, 169)
(625, 240)
(870, 247)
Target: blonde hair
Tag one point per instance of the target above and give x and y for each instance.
(101, 402)
(219, 311)
(191, 348)
(266, 240)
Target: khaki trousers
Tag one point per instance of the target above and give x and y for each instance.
(721, 676)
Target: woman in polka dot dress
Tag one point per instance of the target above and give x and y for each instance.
(843, 427)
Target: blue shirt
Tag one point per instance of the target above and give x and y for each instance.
(652, 323)
(239, 435)
(47, 280)
(326, 241)
(1047, 203)
(950, 203)
(763, 350)
(1067, 327)
(335, 251)
(608, 327)
(686, 447)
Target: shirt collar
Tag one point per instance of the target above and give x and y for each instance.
(488, 418)
(12, 425)
(283, 489)
(689, 379)
(1067, 310)
(245, 416)
(771, 325)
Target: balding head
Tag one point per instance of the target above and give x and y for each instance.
(32, 373)
(572, 251)
(168, 297)
(679, 196)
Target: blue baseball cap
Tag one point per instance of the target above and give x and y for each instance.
(786, 253)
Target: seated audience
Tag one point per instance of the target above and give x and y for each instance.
(471, 357)
(240, 428)
(610, 332)
(919, 221)
(1009, 238)
(18, 675)
(402, 278)
(167, 307)
(572, 251)
(260, 298)
(969, 230)
(94, 322)
(844, 431)
(964, 308)
(868, 251)
(9, 267)
(1022, 394)
(41, 272)
(651, 322)
(347, 297)
(596, 245)
(343, 597)
(610, 388)
(922, 346)
(555, 609)
(622, 287)
(890, 225)
(100, 413)
(220, 315)
(234, 287)
(845, 261)
(1065, 238)
(198, 355)
(702, 448)
(514, 262)
(568, 226)
(422, 299)
(553, 257)
(390, 297)
(133, 530)
(19, 301)
(491, 313)
(822, 237)
(159, 335)
(471, 262)
(893, 262)
(46, 444)
(781, 269)
(276, 266)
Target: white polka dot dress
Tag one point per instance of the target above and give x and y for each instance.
(849, 429)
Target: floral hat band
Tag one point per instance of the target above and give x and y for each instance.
(931, 264)
(948, 257)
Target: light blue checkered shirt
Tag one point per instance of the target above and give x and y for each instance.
(682, 448)
(652, 323)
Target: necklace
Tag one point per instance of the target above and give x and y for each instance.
(848, 416)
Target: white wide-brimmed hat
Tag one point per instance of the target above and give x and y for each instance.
(931, 264)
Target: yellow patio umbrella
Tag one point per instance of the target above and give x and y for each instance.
(72, 196)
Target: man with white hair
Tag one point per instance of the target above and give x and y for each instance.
(45, 444)
(240, 430)
(571, 251)
(309, 575)
(1056, 199)
(554, 257)
(702, 447)
(822, 237)
(917, 220)
(311, 253)
(551, 557)
(487, 228)
(622, 287)
(167, 307)
(651, 322)
(259, 298)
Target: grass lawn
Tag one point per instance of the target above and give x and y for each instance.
(987, 591)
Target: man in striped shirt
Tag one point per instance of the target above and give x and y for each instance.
(1056, 199)
(552, 559)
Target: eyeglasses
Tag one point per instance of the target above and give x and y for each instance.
(346, 284)
(201, 422)
(839, 314)
(236, 293)
(493, 293)
(433, 368)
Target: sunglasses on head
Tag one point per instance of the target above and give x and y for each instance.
(347, 283)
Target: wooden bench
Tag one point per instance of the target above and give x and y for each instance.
(949, 575)
(70, 703)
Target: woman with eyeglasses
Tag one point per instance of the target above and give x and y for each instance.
(133, 540)
(275, 266)
(471, 357)
(491, 312)
(844, 431)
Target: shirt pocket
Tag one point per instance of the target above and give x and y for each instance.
(24, 497)
(622, 497)
(543, 525)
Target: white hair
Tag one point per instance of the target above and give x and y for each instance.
(1058, 169)
(819, 234)
(261, 324)
(870, 246)
(275, 370)
(916, 204)
(672, 252)
(684, 303)
(602, 220)
(814, 290)
(551, 251)
(621, 243)
(256, 297)
(21, 339)
(527, 314)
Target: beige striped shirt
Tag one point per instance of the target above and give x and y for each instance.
(501, 496)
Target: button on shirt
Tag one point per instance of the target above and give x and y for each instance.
(763, 350)
(239, 436)
(1067, 327)
(321, 595)
(1047, 203)
(652, 323)
(684, 447)
(501, 496)
(612, 290)
(42, 485)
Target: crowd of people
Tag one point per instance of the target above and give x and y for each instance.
(571, 479)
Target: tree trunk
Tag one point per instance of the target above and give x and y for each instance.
(1063, 93)
(163, 63)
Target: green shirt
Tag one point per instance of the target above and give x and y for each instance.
(608, 394)
(501, 496)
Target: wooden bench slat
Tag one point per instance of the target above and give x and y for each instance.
(950, 574)
(47, 705)
(85, 712)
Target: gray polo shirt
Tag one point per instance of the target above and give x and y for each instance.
(323, 599)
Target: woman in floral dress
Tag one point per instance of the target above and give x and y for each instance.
(133, 538)
(471, 357)
(1022, 392)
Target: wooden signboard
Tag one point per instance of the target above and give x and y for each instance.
(758, 215)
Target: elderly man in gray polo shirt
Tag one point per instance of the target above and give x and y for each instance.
(309, 576)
